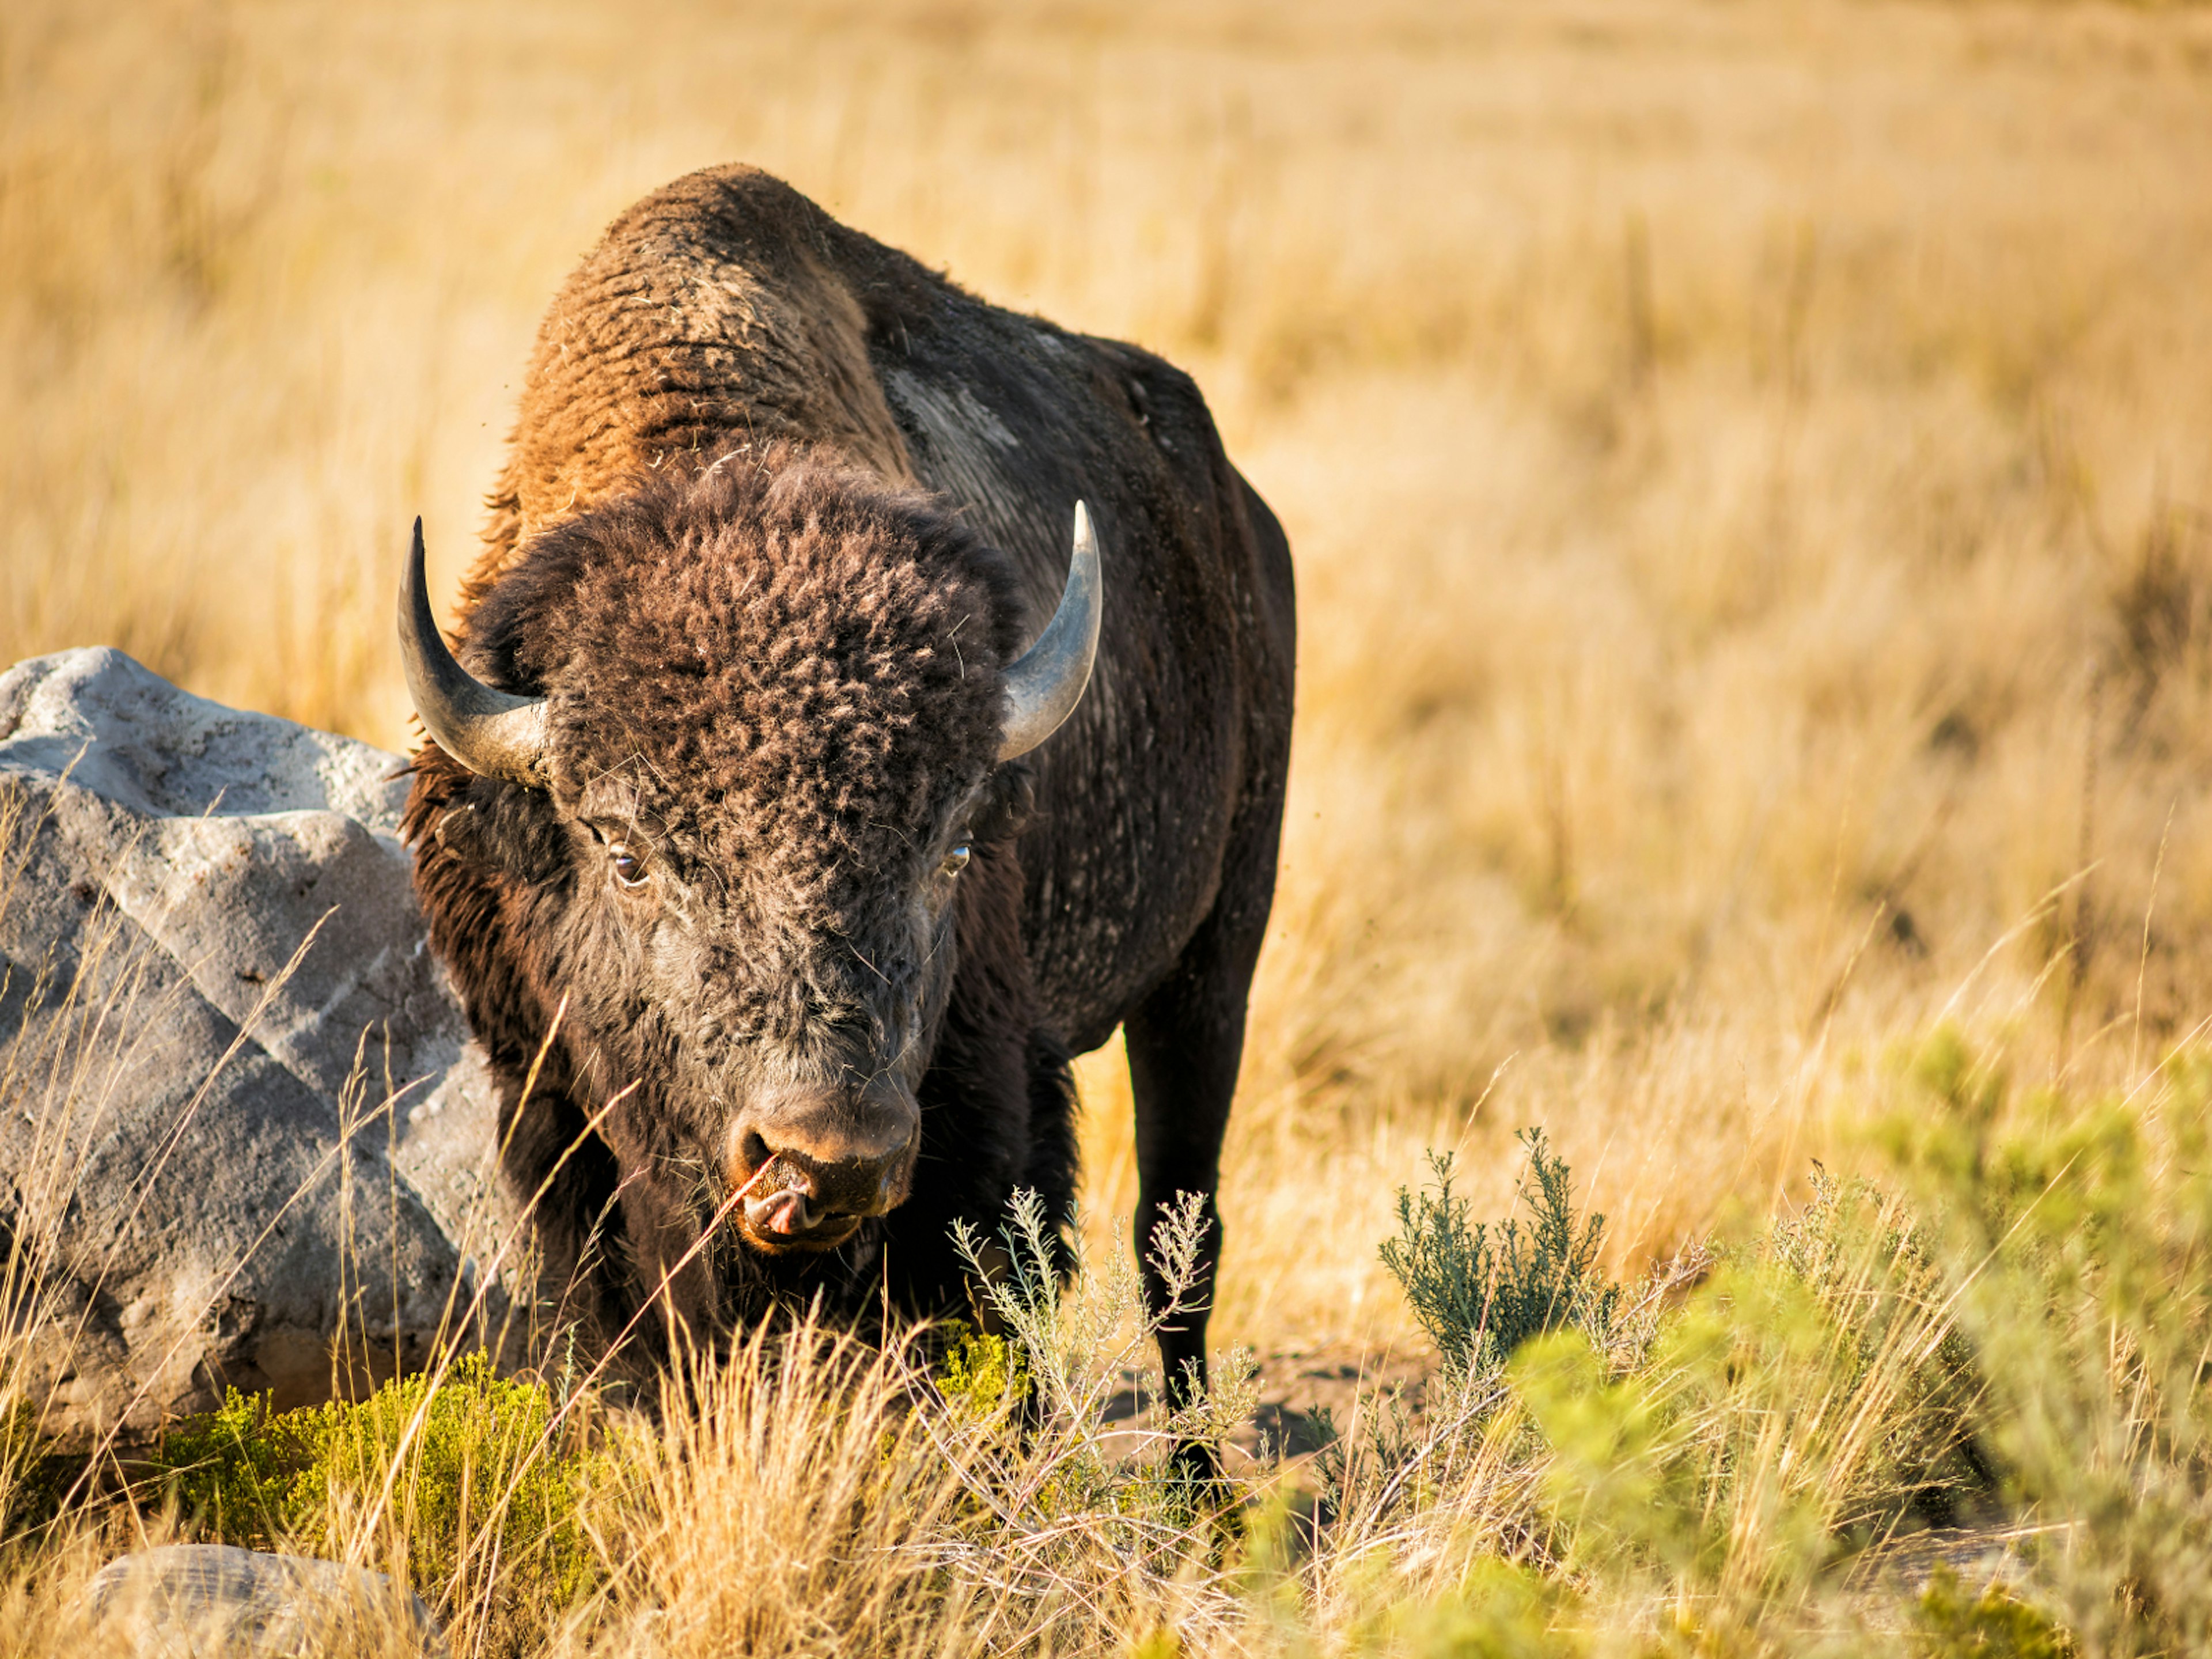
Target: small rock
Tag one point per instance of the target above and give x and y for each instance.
(212, 1601)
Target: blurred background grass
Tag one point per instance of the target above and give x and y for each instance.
(1750, 469)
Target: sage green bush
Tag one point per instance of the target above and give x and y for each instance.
(1480, 1289)
(2079, 1238)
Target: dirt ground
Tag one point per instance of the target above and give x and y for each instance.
(1308, 1397)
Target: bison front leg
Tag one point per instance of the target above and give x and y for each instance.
(1185, 1042)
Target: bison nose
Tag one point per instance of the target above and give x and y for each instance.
(836, 1156)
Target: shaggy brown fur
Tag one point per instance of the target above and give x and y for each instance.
(768, 665)
(707, 315)
(781, 504)
(755, 677)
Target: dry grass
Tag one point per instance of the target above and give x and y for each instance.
(1750, 469)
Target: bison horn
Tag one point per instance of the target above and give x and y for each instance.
(494, 733)
(1044, 686)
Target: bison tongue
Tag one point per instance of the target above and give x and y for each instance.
(786, 1212)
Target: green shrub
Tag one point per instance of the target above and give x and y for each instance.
(1482, 1293)
(465, 1478)
(35, 1481)
(1950, 1624)
(234, 1473)
(1729, 1432)
(1809, 1398)
(2079, 1234)
(981, 1374)
(1500, 1610)
(1874, 1273)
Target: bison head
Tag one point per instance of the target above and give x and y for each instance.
(756, 723)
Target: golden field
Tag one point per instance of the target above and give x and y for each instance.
(1749, 466)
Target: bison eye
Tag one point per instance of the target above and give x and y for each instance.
(955, 861)
(629, 863)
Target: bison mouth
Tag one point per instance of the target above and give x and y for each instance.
(779, 1212)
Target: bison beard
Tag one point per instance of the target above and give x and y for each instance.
(777, 956)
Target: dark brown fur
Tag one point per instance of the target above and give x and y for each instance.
(779, 505)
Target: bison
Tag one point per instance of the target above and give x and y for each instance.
(780, 849)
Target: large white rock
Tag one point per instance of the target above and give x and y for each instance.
(242, 1129)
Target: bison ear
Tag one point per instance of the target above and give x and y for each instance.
(514, 832)
(1043, 687)
(1007, 803)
